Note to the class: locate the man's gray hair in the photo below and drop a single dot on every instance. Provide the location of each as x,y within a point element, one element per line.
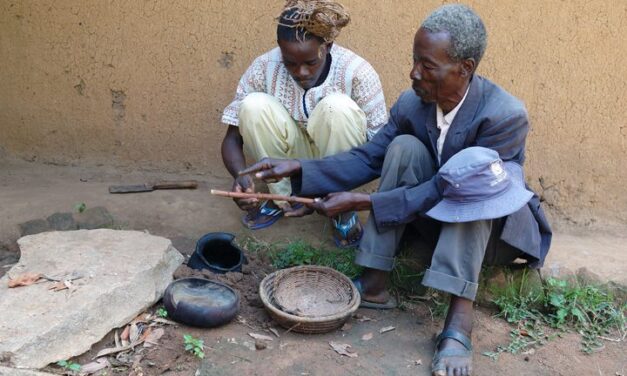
<point>465,28</point>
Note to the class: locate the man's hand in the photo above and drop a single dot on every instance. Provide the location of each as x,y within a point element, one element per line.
<point>245,184</point>
<point>273,170</point>
<point>342,202</point>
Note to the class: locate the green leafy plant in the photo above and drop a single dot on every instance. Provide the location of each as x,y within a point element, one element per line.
<point>80,207</point>
<point>70,366</point>
<point>562,305</point>
<point>300,252</point>
<point>162,312</point>
<point>195,346</point>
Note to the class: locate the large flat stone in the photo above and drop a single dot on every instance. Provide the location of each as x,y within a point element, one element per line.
<point>124,273</point>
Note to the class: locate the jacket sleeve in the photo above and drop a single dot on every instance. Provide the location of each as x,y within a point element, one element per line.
<point>348,170</point>
<point>506,136</point>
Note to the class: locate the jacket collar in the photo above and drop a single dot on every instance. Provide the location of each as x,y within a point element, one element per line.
<point>463,119</point>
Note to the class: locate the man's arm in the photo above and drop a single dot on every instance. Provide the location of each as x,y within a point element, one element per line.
<point>234,161</point>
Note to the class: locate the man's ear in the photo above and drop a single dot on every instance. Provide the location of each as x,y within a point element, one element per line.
<point>468,67</point>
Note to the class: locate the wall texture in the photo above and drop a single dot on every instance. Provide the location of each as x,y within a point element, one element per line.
<point>144,82</point>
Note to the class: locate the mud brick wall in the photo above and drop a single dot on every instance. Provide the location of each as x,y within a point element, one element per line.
<point>143,83</point>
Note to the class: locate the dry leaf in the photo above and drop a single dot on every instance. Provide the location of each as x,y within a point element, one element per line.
<point>366,337</point>
<point>113,350</point>
<point>362,318</point>
<point>275,332</point>
<point>418,362</point>
<point>125,333</point>
<point>133,335</point>
<point>386,329</point>
<point>342,349</point>
<point>24,279</point>
<point>260,337</point>
<point>58,286</point>
<point>93,367</point>
<point>153,337</point>
<point>164,321</point>
<point>346,327</point>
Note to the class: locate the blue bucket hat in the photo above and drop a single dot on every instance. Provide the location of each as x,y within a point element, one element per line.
<point>478,185</point>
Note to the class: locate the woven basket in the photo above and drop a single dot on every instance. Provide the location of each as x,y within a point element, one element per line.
<point>309,299</point>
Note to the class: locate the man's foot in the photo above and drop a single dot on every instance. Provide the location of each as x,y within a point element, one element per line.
<point>347,230</point>
<point>263,216</point>
<point>371,287</point>
<point>453,353</point>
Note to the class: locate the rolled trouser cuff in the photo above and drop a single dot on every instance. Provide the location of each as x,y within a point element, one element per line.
<point>453,285</point>
<point>373,261</point>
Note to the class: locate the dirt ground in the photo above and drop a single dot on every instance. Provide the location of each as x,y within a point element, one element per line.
<point>30,191</point>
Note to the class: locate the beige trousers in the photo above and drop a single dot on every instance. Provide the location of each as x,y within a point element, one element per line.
<point>335,125</point>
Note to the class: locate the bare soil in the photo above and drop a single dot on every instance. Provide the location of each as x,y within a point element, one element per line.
<point>30,191</point>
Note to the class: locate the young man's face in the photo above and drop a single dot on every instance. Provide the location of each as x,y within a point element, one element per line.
<point>304,60</point>
<point>435,76</point>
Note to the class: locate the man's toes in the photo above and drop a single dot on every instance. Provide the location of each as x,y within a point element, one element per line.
<point>440,372</point>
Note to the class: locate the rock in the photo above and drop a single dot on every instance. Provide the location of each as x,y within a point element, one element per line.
<point>124,272</point>
<point>260,345</point>
<point>62,222</point>
<point>35,226</point>
<point>4,371</point>
<point>557,270</point>
<point>93,218</point>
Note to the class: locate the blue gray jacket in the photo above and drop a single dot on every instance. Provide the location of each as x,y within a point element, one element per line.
<point>489,117</point>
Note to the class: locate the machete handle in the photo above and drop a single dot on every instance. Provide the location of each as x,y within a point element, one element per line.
<point>186,184</point>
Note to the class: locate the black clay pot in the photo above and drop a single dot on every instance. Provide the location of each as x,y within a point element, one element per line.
<point>215,251</point>
<point>200,302</point>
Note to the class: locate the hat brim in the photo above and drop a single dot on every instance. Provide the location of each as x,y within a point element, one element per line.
<point>500,206</point>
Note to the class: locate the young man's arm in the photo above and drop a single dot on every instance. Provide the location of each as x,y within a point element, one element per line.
<point>234,161</point>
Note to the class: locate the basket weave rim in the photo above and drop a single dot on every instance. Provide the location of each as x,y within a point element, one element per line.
<point>352,306</point>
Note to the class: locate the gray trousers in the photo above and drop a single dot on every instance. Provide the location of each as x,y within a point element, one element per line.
<point>460,247</point>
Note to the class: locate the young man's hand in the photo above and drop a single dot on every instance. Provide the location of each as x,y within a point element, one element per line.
<point>273,170</point>
<point>244,183</point>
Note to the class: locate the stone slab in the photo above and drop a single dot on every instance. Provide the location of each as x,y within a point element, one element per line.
<point>124,272</point>
<point>5,371</point>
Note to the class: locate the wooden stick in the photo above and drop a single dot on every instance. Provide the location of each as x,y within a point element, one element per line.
<point>263,196</point>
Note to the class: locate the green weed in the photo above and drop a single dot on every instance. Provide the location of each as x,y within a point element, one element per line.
<point>80,207</point>
<point>193,345</point>
<point>162,312</point>
<point>299,252</point>
<point>70,366</point>
<point>561,306</point>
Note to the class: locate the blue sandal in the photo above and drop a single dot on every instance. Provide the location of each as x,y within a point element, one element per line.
<point>438,366</point>
<point>344,229</point>
<point>262,217</point>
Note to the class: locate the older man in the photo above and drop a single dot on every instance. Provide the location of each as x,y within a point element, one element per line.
<point>449,110</point>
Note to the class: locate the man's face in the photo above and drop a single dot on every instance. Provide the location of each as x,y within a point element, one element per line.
<point>304,60</point>
<point>435,77</point>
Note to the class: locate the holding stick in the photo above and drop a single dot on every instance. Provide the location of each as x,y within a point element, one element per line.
<point>263,196</point>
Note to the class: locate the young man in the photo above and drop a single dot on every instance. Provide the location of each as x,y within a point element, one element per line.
<point>440,158</point>
<point>306,98</point>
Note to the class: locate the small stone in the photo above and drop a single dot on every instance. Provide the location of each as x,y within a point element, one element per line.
<point>93,218</point>
<point>33,227</point>
<point>260,345</point>
<point>62,222</point>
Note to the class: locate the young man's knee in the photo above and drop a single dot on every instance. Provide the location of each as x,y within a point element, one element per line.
<point>256,103</point>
